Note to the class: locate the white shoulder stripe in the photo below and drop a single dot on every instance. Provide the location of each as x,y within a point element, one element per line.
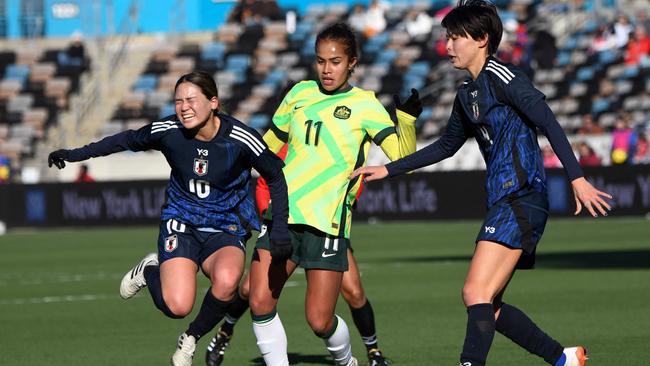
<point>164,122</point>
<point>162,128</point>
<point>252,137</point>
<point>503,78</point>
<point>502,68</point>
<point>254,149</point>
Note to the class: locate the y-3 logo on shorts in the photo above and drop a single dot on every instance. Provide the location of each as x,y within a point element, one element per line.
<point>490,229</point>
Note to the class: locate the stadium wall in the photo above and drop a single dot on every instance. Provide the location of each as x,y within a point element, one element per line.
<point>418,196</point>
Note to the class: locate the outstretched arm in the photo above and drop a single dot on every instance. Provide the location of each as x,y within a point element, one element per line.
<point>584,193</point>
<point>126,140</point>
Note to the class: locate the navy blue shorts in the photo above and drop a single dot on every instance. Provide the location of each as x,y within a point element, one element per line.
<point>517,221</point>
<point>177,240</point>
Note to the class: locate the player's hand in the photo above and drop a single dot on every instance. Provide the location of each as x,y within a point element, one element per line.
<point>592,199</point>
<point>371,173</point>
<point>281,249</point>
<point>412,106</point>
<point>58,158</point>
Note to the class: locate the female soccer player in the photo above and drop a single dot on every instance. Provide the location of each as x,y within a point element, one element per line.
<point>351,290</point>
<point>500,107</point>
<point>328,125</point>
<point>208,213</point>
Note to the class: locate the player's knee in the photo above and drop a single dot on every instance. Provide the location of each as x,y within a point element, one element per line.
<point>475,294</point>
<point>260,305</point>
<point>225,288</point>
<point>320,324</point>
<point>178,306</point>
<point>355,297</point>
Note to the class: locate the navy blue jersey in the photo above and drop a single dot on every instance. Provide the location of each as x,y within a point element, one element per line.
<point>501,110</point>
<point>210,181</point>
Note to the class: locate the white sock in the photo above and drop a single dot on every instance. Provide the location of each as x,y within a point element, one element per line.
<point>272,341</point>
<point>338,344</point>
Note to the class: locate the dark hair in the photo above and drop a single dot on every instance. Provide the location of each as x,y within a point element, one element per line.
<point>475,18</point>
<point>340,32</point>
<point>201,79</point>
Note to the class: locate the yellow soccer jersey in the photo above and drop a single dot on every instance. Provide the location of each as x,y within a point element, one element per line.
<point>329,136</point>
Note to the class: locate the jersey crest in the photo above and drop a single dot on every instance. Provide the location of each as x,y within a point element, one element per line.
<point>200,167</point>
<point>342,112</point>
<point>171,243</point>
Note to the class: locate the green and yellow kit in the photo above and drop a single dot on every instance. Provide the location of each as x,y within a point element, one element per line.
<point>328,136</point>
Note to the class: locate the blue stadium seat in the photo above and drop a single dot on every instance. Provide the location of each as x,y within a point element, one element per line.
<point>146,83</point>
<point>259,121</point>
<point>585,73</point>
<point>600,105</point>
<point>275,77</point>
<point>167,109</point>
<point>17,72</point>
<point>386,56</point>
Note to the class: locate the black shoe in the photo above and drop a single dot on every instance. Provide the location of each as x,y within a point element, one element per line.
<point>375,358</point>
<point>217,348</point>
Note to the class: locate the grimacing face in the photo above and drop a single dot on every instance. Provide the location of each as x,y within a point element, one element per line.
<point>193,108</point>
<point>333,64</point>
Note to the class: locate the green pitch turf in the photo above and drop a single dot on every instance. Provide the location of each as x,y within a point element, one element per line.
<point>59,302</point>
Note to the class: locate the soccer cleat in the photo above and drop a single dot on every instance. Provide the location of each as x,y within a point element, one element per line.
<point>375,358</point>
<point>575,356</point>
<point>134,279</point>
<point>217,348</point>
<point>184,351</point>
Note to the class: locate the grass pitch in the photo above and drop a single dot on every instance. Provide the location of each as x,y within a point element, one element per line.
<point>59,301</point>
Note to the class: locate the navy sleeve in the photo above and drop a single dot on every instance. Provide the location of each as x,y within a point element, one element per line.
<point>270,166</point>
<point>134,140</point>
<point>447,145</point>
<point>542,116</point>
<point>520,93</point>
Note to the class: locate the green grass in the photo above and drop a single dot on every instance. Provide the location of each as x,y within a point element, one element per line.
<point>59,302</point>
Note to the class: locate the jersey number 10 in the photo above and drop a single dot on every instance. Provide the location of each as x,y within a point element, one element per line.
<point>200,187</point>
<point>317,126</point>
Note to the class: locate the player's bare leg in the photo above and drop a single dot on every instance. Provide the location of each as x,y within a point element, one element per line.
<point>224,268</point>
<point>323,288</point>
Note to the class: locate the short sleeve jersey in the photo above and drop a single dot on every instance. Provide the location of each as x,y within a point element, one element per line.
<point>209,184</point>
<point>328,136</point>
<point>490,108</point>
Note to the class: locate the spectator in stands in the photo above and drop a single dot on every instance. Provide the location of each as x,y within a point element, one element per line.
<point>622,30</point>
<point>587,155</point>
<point>624,140</point>
<point>549,158</point>
<point>75,54</point>
<point>589,126</point>
<point>5,169</point>
<point>83,176</point>
<point>375,18</point>
<point>544,48</point>
<point>255,12</point>
<point>642,19</point>
<point>418,23</point>
<point>638,47</point>
<point>604,40</point>
<point>357,20</point>
<point>642,155</point>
